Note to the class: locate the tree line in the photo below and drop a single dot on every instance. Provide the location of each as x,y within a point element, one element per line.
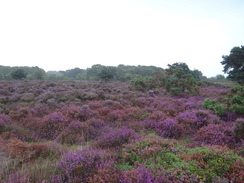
<point>233,66</point>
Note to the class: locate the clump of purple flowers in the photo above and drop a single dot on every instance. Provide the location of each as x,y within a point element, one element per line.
<point>116,137</point>
<point>52,125</point>
<point>195,119</point>
<point>81,165</point>
<point>169,128</point>
<point>215,134</point>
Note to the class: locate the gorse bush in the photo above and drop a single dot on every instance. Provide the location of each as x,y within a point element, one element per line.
<point>237,104</point>
<point>139,83</point>
<point>177,80</point>
<point>214,105</point>
<point>210,163</point>
<point>237,90</point>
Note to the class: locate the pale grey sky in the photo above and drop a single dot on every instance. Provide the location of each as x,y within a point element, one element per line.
<point>64,34</point>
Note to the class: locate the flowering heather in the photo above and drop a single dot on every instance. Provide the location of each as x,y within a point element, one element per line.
<point>169,128</point>
<point>80,132</point>
<point>81,113</point>
<point>215,134</point>
<point>52,125</point>
<point>116,138</point>
<point>73,131</point>
<point>195,119</point>
<point>81,165</point>
<point>214,92</point>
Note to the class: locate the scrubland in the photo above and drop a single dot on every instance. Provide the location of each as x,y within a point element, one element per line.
<point>70,131</point>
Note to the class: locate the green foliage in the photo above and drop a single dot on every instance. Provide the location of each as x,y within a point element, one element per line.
<point>139,83</point>
<point>236,101</point>
<point>39,75</point>
<point>207,162</point>
<point>234,64</point>
<point>18,74</point>
<point>238,90</point>
<point>220,77</point>
<point>175,91</point>
<point>160,154</point>
<point>197,74</point>
<point>107,73</point>
<point>179,79</point>
<point>214,105</point>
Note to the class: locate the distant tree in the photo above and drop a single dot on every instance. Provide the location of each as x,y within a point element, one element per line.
<point>73,73</point>
<point>107,73</point>
<point>93,72</point>
<point>220,77</point>
<point>39,74</point>
<point>197,74</point>
<point>234,64</point>
<point>181,67</point>
<point>178,79</point>
<point>18,74</point>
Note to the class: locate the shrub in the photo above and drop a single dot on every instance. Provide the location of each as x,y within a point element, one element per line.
<point>52,125</point>
<point>81,165</point>
<point>215,106</point>
<point>145,150</point>
<point>139,83</point>
<point>78,132</point>
<point>195,119</point>
<point>237,108</point>
<point>237,104</point>
<point>238,90</point>
<point>210,163</point>
<point>139,175</point>
<point>23,151</point>
<point>169,128</point>
<point>215,134</point>
<point>74,112</point>
<point>238,129</point>
<point>116,138</point>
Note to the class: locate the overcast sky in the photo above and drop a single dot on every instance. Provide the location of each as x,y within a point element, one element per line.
<point>64,34</point>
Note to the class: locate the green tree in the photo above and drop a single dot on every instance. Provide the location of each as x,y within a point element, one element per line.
<point>39,74</point>
<point>107,73</point>
<point>197,74</point>
<point>179,79</point>
<point>18,74</point>
<point>234,64</point>
<point>220,77</point>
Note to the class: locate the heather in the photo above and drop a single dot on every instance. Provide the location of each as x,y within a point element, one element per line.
<point>73,131</point>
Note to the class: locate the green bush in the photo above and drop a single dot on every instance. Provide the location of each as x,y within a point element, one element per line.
<point>238,90</point>
<point>237,104</point>
<point>214,105</point>
<point>138,83</point>
<point>175,91</point>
